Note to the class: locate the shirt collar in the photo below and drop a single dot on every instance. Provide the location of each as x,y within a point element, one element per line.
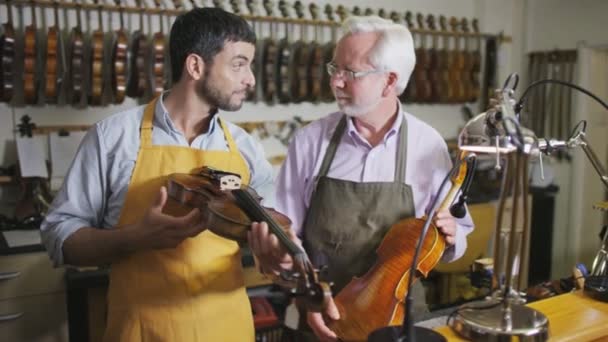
<point>163,120</point>
<point>353,133</point>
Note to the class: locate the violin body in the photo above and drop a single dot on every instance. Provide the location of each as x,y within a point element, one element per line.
<point>228,209</point>
<point>219,208</point>
<point>376,299</point>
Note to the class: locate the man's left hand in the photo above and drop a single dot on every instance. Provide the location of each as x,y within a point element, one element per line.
<point>447,225</point>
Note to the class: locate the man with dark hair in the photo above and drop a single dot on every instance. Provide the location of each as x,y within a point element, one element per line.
<point>170,279</point>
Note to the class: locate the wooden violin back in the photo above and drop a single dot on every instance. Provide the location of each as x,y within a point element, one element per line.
<point>376,299</point>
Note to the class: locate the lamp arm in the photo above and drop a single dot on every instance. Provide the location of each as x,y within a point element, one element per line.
<point>578,140</point>
<point>597,165</point>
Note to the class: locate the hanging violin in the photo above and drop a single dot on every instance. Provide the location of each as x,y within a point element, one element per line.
<point>229,207</point>
<point>376,299</point>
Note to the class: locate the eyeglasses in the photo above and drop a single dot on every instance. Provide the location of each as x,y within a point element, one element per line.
<point>346,74</point>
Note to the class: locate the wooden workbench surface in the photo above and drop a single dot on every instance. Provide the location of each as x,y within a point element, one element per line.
<point>572,317</point>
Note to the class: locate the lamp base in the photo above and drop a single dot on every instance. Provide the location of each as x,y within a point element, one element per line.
<point>492,320</point>
<point>393,333</point>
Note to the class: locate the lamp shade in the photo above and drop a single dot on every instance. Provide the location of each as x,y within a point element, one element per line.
<point>486,133</point>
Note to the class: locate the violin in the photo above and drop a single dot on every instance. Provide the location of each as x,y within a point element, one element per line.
<point>7,49</point>
<point>284,59</point>
<point>138,82</point>
<point>158,51</point>
<point>55,60</point>
<point>120,61</point>
<point>228,208</point>
<point>376,299</point>
<point>327,94</point>
<point>97,61</point>
<point>315,68</point>
<point>77,60</point>
<point>30,77</point>
<point>270,50</point>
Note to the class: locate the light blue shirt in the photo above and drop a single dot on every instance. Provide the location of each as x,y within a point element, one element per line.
<point>95,186</point>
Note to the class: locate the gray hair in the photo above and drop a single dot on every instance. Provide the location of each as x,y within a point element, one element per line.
<point>393,52</point>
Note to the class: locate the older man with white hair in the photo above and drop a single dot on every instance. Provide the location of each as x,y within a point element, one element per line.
<point>351,175</point>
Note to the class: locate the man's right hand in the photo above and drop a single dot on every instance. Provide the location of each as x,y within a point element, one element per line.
<point>318,324</point>
<point>157,230</point>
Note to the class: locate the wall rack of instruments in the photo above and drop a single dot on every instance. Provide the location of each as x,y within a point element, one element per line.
<point>98,52</point>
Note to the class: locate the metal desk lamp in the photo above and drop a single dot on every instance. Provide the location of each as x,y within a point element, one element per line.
<point>503,316</point>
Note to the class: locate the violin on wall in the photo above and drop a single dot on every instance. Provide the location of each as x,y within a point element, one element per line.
<point>30,75</point>
<point>7,49</point>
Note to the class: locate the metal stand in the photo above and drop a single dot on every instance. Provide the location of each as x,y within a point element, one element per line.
<point>504,316</point>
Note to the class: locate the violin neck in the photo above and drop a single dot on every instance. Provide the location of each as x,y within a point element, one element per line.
<point>450,197</point>
<point>257,213</point>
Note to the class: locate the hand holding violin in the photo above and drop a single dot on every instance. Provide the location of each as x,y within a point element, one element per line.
<point>270,255</point>
<point>157,230</point>
<point>273,258</point>
<point>446,223</point>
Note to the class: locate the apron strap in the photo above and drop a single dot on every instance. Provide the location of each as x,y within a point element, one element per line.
<point>401,162</point>
<point>333,146</point>
<point>146,124</point>
<point>229,139</point>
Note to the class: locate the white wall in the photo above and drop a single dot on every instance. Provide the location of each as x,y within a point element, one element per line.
<point>563,24</point>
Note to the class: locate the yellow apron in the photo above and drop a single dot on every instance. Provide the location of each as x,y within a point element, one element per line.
<point>194,292</point>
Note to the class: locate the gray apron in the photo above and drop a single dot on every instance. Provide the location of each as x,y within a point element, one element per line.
<point>346,221</point>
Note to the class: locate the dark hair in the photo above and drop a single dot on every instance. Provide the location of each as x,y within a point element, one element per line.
<point>204,31</point>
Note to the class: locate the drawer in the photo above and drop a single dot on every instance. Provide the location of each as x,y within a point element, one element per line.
<point>42,319</point>
<point>35,276</point>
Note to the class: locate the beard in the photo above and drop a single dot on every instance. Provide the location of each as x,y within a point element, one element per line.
<point>358,109</point>
<point>216,98</point>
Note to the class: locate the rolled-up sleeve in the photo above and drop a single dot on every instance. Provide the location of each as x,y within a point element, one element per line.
<point>80,201</point>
